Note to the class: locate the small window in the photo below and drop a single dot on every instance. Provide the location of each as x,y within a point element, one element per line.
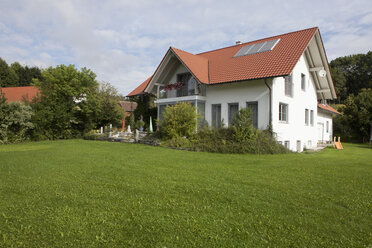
<point>253,106</point>
<point>306,117</point>
<point>288,86</point>
<point>303,82</point>
<point>286,144</point>
<point>327,126</point>
<point>233,109</point>
<point>216,115</point>
<point>312,117</point>
<point>283,112</point>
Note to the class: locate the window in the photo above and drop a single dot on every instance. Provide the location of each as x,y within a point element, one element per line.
<point>286,144</point>
<point>283,112</point>
<point>303,81</point>
<point>288,85</point>
<point>312,117</point>
<point>161,109</point>
<point>216,115</point>
<point>188,88</point>
<point>306,117</point>
<point>233,108</point>
<point>327,126</point>
<point>253,106</point>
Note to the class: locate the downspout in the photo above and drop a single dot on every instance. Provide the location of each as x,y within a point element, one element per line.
<point>270,115</point>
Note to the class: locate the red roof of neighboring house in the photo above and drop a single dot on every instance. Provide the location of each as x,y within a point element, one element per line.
<point>220,66</point>
<point>19,93</point>
<point>326,107</point>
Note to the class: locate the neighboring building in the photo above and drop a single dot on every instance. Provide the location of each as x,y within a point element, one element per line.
<point>20,94</point>
<point>128,106</point>
<point>280,78</point>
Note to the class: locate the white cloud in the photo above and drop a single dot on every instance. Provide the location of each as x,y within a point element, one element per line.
<point>123,41</point>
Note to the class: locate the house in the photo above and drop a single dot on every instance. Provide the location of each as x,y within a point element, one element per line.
<point>284,79</point>
<point>20,94</point>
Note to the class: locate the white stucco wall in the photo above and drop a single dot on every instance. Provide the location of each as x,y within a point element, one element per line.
<point>323,135</point>
<point>295,128</point>
<point>239,92</point>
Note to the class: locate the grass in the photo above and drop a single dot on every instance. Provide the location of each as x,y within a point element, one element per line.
<point>77,193</point>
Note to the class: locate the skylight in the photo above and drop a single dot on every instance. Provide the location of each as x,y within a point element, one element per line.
<point>257,48</point>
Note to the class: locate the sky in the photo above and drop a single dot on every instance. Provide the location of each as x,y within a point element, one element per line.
<point>123,41</point>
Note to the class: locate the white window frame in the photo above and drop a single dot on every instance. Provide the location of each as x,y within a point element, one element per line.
<point>288,85</point>
<point>281,105</point>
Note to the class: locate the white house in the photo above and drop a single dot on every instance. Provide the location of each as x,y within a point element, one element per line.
<point>284,79</point>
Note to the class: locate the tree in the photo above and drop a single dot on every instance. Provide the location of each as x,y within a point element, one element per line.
<point>351,74</point>
<point>145,108</point>
<point>8,77</point>
<point>68,103</point>
<point>354,123</point>
<point>109,110</point>
<point>242,125</point>
<point>26,74</point>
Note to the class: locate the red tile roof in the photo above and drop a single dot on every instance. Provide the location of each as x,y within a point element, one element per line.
<point>141,88</point>
<point>20,93</point>
<point>328,108</point>
<point>220,66</point>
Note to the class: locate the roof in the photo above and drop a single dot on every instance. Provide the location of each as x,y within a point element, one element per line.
<point>128,106</point>
<point>14,94</point>
<point>140,89</point>
<point>328,108</point>
<point>220,66</point>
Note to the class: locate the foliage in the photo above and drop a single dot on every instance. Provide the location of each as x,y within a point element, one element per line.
<point>351,74</point>
<point>26,74</point>
<point>109,110</point>
<point>68,103</point>
<point>179,120</point>
<point>129,195</point>
<point>14,121</point>
<point>242,125</point>
<point>145,108</point>
<point>8,77</point>
<point>355,122</point>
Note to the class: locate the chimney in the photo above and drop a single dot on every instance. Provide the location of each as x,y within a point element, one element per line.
<point>238,42</point>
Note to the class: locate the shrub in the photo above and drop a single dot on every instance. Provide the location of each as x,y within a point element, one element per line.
<point>242,125</point>
<point>15,121</point>
<point>178,120</point>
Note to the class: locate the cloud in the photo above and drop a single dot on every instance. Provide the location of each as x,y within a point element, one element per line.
<point>123,41</point>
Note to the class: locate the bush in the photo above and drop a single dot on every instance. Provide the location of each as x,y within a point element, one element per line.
<point>178,120</point>
<point>15,121</point>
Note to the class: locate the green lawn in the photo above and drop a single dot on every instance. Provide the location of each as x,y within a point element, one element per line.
<point>78,193</point>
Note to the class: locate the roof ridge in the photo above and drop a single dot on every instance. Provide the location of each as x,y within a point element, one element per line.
<point>256,40</point>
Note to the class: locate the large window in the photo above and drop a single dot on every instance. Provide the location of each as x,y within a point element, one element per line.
<point>253,106</point>
<point>188,88</point>
<point>216,115</point>
<point>283,112</point>
<point>288,85</point>
<point>303,82</point>
<point>233,108</point>
<point>306,117</point>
